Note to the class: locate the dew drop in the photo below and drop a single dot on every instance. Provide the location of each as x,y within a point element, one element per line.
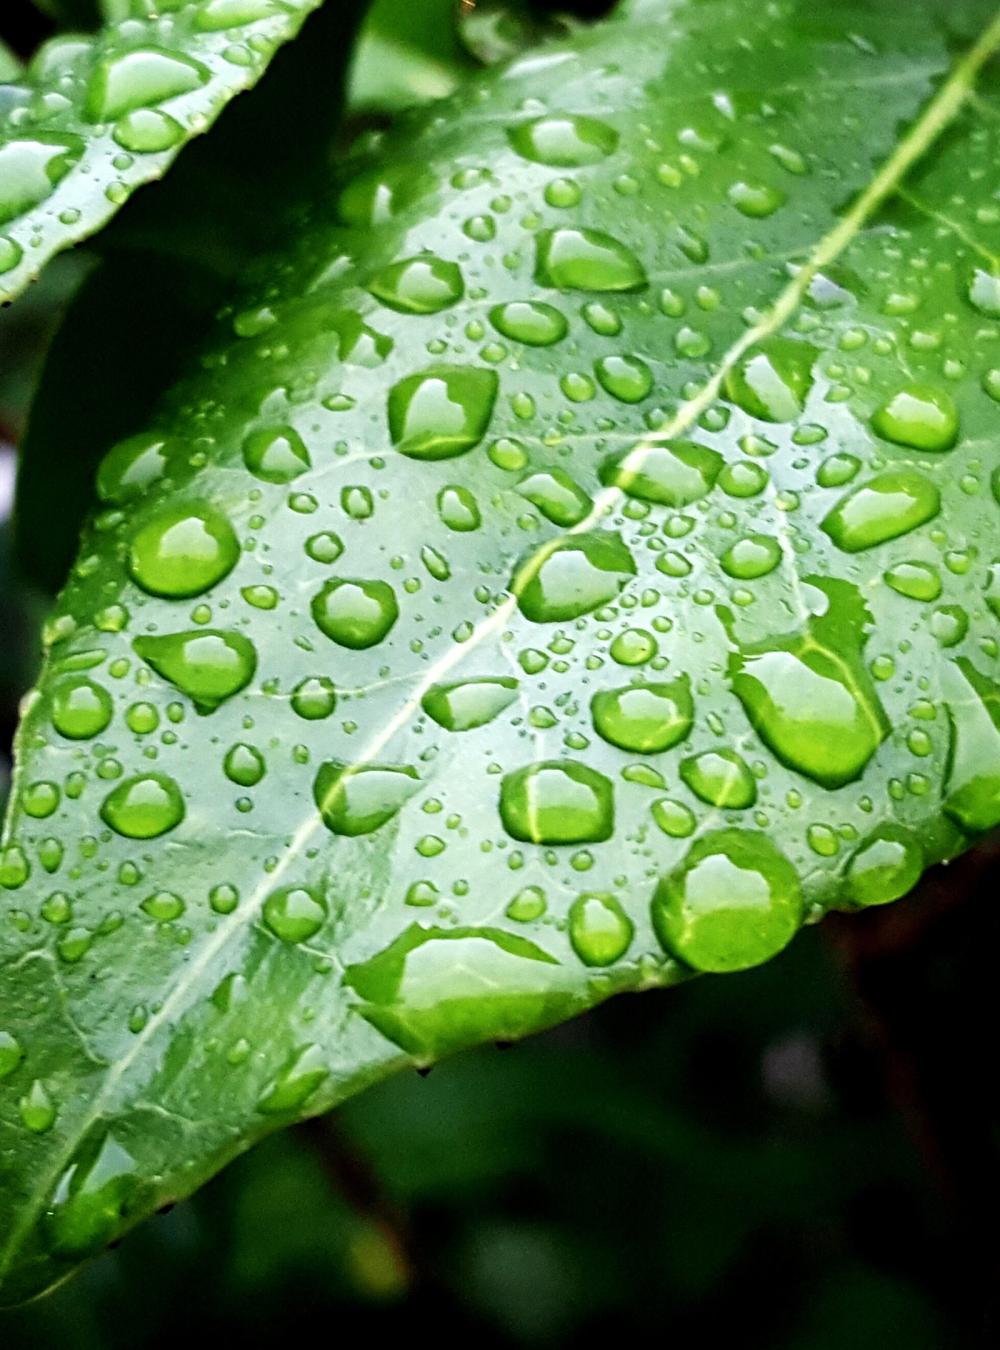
<point>359,800</point>
<point>468,704</point>
<point>919,418</point>
<point>883,508</point>
<point>600,931</point>
<point>559,498</point>
<point>143,807</point>
<point>182,550</point>
<point>722,778</point>
<point>441,412</point>
<point>80,708</point>
<point>277,455</point>
<point>421,285</point>
<point>647,718</point>
<point>207,665</point>
<point>886,866</point>
<point>586,260</point>
<point>530,322</point>
<point>573,577</point>
<point>771,381</point>
<point>670,473</point>
<point>138,79</point>
<point>354,613</point>
<point>294,913</point>
<point>557,802</point>
<point>564,142</point>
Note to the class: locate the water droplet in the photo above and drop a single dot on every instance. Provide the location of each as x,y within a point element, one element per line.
<point>146,131</point>
<point>294,913</point>
<point>557,802</point>
<point>572,577</point>
<point>325,547</point>
<point>163,906</point>
<point>207,665</point>
<point>599,929</point>
<point>624,377</point>
<point>244,765</point>
<point>564,141</point>
<point>144,807</point>
<point>734,902</point>
<point>80,708</point>
<point>132,465</point>
<point>721,778</point>
<point>754,556</point>
<point>586,260</point>
<point>674,818</point>
<point>30,170</point>
<point>314,698</point>
<point>671,473</point>
<point>277,455</point>
<point>11,1054</point>
<point>138,79</point>
<point>354,613</point>
<point>356,800</point>
<point>530,322</point>
<point>92,1199</point>
<point>557,496</point>
<point>468,704</point>
<point>458,508</point>
<point>809,696</point>
<point>771,382</point>
<point>915,580</point>
<point>441,412</point>
<point>528,905</point>
<point>38,1111</point>
<point>755,199</point>
<point>984,292</point>
<point>421,285</point>
<point>887,865</point>
<point>182,550</point>
<point>972,779</point>
<point>919,418</point>
<point>296,1083</point>
<point>11,254</point>
<point>885,507</point>
<point>647,718</point>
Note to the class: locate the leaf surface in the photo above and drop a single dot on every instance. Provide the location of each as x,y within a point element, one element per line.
<point>94,117</point>
<point>570,568</point>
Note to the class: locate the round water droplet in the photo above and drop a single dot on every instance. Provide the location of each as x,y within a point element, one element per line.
<point>183,550</point>
<point>294,913</point>
<point>132,465</point>
<point>80,708</point>
<point>674,818</point>
<point>207,665</point>
<point>647,718</point>
<point>163,906</point>
<point>557,802</point>
<point>671,473</point>
<point>469,703</point>
<point>557,496</point>
<point>734,902</point>
<point>599,929</point>
<point>530,322</point>
<point>918,417</point>
<point>586,260</point>
<point>314,698</point>
<point>721,778</point>
<point>355,613</point>
<point>441,412</point>
<point>573,577</point>
<point>421,285</point>
<point>144,807</point>
<point>624,377</point>
<point>528,905</point>
<point>886,866</point>
<point>564,141</point>
<point>755,199</point>
<point>325,547</point>
<point>885,507</point>
<point>752,557</point>
<point>276,454</point>
<point>244,765</point>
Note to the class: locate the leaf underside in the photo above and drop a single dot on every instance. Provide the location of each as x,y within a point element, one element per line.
<point>97,115</point>
<point>571,567</point>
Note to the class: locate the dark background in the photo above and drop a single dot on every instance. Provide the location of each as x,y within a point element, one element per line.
<point>803,1157</point>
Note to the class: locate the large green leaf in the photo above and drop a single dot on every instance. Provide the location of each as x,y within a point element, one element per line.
<point>569,569</point>
<point>96,117</point>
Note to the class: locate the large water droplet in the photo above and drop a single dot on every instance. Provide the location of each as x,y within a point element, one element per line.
<point>586,260</point>
<point>138,79</point>
<point>972,779</point>
<point>647,718</point>
<point>30,169</point>
<point>468,704</point>
<point>885,507</point>
<point>355,613</point>
<point>530,322</point>
<point>669,473</point>
<point>80,708</point>
<point>722,778</point>
<point>887,865</point>
<point>294,913</point>
<point>92,1199</point>
<point>752,557</point>
<point>918,417</point>
<point>624,377</point>
<point>564,141</point>
<point>734,902</point>
<point>358,799</point>
<point>133,465</point>
<point>557,802</point>
<point>984,292</point>
<point>183,550</point>
<point>771,381</point>
<point>572,577</point>
<point>207,665</point>
<point>146,131</point>
<point>276,454</point>
<point>144,807</point>
<point>599,929</point>
<point>441,412</point>
<point>421,285</point>
<point>558,497</point>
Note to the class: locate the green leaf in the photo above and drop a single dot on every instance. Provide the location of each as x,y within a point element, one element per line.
<point>96,117</point>
<point>568,569</point>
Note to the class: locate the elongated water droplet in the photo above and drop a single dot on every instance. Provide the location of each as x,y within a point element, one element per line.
<point>301,1077</point>
<point>671,473</point>
<point>355,800</point>
<point>468,704</point>
<point>207,665</point>
<point>421,285</point>
<point>138,79</point>
<point>587,260</point>
<point>530,322</point>
<point>573,577</point>
<point>972,777</point>
<point>30,170</point>
<point>885,507</point>
<point>559,498</point>
<point>564,141</point>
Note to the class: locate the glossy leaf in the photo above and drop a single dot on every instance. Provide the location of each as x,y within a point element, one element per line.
<point>569,569</point>
<point>96,117</point>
